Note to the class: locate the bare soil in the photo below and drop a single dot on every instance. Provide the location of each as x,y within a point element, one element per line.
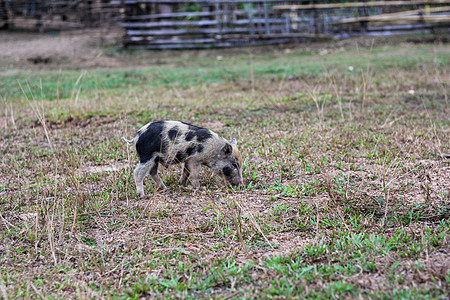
<point>67,49</point>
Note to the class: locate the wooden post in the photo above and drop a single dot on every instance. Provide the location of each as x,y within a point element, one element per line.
<point>4,14</point>
<point>362,12</point>
<point>102,17</point>
<point>250,21</point>
<point>313,19</point>
<point>266,17</point>
<point>124,16</point>
<point>287,22</point>
<point>225,16</point>
<point>89,13</point>
<point>219,17</point>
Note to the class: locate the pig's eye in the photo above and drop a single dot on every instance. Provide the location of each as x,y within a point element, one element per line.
<point>234,165</point>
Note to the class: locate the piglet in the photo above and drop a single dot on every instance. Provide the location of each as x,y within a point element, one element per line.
<point>172,142</point>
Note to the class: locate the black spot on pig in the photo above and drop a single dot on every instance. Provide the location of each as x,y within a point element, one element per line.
<point>180,156</point>
<point>190,135</point>
<point>151,142</point>
<point>203,135</point>
<point>190,151</point>
<point>199,148</point>
<point>173,133</point>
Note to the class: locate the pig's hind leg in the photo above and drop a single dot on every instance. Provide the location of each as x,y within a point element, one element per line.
<point>156,178</point>
<point>142,170</point>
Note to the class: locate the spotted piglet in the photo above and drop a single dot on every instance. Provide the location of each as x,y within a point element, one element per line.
<point>172,142</point>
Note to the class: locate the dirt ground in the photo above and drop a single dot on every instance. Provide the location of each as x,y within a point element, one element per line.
<point>56,49</point>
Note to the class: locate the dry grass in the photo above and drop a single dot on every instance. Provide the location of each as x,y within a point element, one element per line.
<point>347,190</point>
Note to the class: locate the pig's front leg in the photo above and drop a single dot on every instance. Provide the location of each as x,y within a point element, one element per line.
<point>190,170</point>
<point>184,175</point>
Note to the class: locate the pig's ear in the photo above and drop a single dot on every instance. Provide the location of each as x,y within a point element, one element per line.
<point>233,142</point>
<point>226,150</point>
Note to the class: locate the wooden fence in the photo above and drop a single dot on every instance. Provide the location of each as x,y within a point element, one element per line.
<point>178,24</point>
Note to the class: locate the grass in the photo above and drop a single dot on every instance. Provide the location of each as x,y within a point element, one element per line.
<point>346,191</point>
<point>74,83</point>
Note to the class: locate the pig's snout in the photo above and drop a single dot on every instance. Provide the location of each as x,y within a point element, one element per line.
<point>239,181</point>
